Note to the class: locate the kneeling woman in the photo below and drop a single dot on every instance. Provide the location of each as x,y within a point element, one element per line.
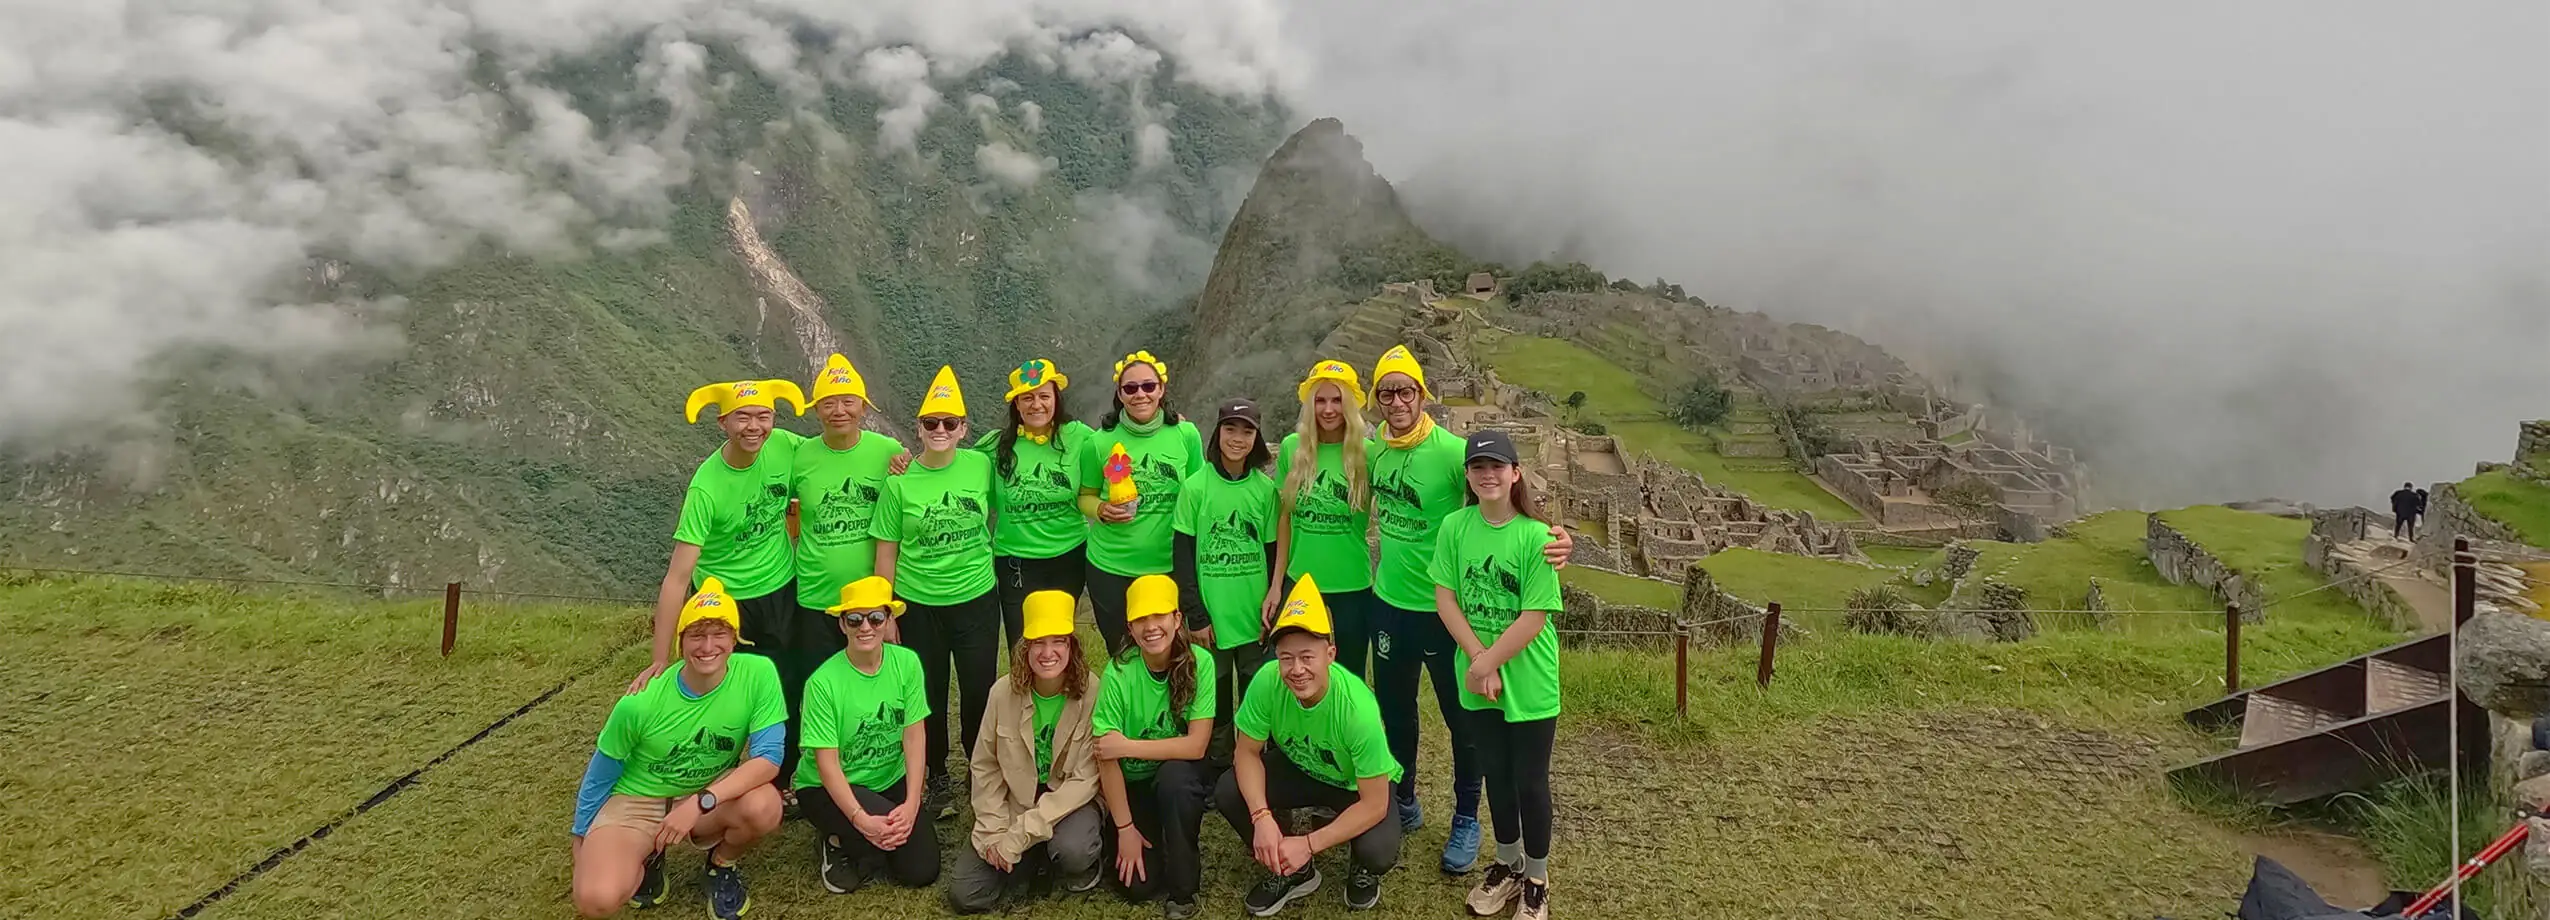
<point>1035,771</point>
<point>859,779</point>
<point>690,757</point>
<point>1155,716</point>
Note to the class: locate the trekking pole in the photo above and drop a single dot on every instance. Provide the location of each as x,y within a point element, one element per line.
<point>2514,837</point>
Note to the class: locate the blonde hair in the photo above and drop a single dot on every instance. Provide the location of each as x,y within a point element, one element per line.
<point>1305,459</point>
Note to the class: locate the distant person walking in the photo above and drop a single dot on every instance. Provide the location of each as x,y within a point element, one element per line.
<point>860,781</point>
<point>1130,475</point>
<point>1038,534</point>
<point>836,480</point>
<point>690,758</point>
<point>934,542</point>
<point>1324,477</point>
<point>734,520</point>
<point>1035,785</point>
<point>2406,505</point>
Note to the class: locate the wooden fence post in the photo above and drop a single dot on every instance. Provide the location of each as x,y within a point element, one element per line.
<point>451,616</point>
<point>2465,581</point>
<point>1770,644</point>
<point>1682,673</point>
<point>2231,648</point>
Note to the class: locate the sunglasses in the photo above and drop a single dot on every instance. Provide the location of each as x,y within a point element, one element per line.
<point>938,423</point>
<point>1144,386</point>
<point>852,619</point>
<point>1395,394</point>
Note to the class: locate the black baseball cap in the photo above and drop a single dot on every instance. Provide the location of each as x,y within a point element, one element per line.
<point>1492,445</point>
<point>1242,409</point>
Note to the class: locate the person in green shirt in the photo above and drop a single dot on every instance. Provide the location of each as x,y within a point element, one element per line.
<point>1132,538</point>
<point>1417,481</point>
<point>859,783</point>
<point>1495,593</point>
<point>1226,558</point>
<point>1310,737</point>
<point>1326,509</point>
<point>1154,719</point>
<point>734,520</point>
<point>934,542</point>
<point>1038,533</point>
<point>689,757</point>
<point>836,480</point>
<point>1035,773</point>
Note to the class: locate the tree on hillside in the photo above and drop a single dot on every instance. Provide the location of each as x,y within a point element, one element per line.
<point>1702,404</point>
<point>1576,401</point>
<point>1547,277</point>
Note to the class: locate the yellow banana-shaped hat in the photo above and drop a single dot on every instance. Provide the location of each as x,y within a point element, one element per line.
<point>946,398</point>
<point>1342,373</point>
<point>1398,361</point>
<point>1033,373</point>
<point>740,394</point>
<point>1304,610</point>
<point>838,378</point>
<point>1143,357</point>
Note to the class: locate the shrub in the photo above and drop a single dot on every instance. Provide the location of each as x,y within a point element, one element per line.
<point>1882,609</point>
<point>1702,404</point>
<point>1594,428</point>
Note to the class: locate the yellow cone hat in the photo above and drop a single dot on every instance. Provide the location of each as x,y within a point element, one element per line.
<point>1304,609</point>
<point>1046,613</point>
<point>1342,373</point>
<point>1398,361</point>
<point>946,398</point>
<point>711,603</point>
<point>1150,596</point>
<point>838,378</point>
<point>1033,373</point>
<point>740,394</point>
<point>867,593</point>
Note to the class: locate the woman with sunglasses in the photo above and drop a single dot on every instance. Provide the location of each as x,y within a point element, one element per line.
<point>1326,490</point>
<point>1037,530</point>
<point>934,542</point>
<point>1135,538</point>
<point>859,779</point>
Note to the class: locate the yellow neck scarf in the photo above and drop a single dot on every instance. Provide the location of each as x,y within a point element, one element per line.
<point>1414,437</point>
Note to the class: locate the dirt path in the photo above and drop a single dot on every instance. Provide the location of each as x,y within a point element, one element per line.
<point>2338,867</point>
<point>2434,602</point>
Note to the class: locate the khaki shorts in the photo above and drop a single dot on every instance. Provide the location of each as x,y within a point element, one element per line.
<point>641,814</point>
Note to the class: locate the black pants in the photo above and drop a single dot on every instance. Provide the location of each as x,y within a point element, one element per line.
<point>1352,616</point>
<point>1020,576</point>
<point>2403,526</point>
<point>915,864</point>
<point>967,634</point>
<point>1288,787</point>
<point>1168,809</point>
<point>1106,604</point>
<point>1232,669</point>
<point>1516,756</point>
<point>1404,642</point>
<point>796,642</point>
<point>974,886</point>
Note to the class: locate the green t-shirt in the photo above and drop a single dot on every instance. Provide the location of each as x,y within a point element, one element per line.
<point>1037,508</point>
<point>1328,530</point>
<point>1412,491</point>
<point>1336,742</point>
<point>1232,523</point>
<point>1135,703</point>
<point>1048,713</point>
<point>837,492</point>
<point>1161,464</point>
<point>739,519</point>
<point>862,716</point>
<point>1496,572</point>
<point>941,522</point>
<point>669,744</point>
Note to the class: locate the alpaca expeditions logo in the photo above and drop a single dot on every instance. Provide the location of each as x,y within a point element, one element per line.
<point>700,759</point>
<point>875,744</point>
<point>1039,490</point>
<point>954,522</point>
<point>765,513</point>
<point>1157,480</point>
<point>839,517</point>
<point>1323,762</point>
<point>1231,548</point>
<point>1401,510</point>
<point>1491,593</point>
<point>1325,507</point>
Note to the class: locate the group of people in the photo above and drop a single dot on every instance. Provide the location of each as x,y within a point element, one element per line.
<point>2407,506</point>
<point>1260,659</point>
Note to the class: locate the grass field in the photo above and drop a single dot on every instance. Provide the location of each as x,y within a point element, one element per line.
<point>1897,556</point>
<point>2269,549</point>
<point>1794,581</point>
<point>1624,589</point>
<point>2106,546</point>
<point>1617,398</point>
<point>2523,506</point>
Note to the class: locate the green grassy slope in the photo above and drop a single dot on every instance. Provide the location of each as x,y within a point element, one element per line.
<point>2519,504</point>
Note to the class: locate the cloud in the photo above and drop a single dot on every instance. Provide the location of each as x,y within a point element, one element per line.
<point>1011,166</point>
<point>1151,146</point>
<point>2279,248</point>
<point>1031,116</point>
<point>901,75</point>
<point>1143,247</point>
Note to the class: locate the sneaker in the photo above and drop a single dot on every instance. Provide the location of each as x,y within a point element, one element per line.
<point>1177,910</point>
<point>1496,890</point>
<point>651,885</point>
<point>935,800</point>
<point>833,864</point>
<point>1363,889</point>
<point>1276,891</point>
<point>727,899</point>
<point>1535,902</point>
<point>1412,815</point>
<point>1461,849</point>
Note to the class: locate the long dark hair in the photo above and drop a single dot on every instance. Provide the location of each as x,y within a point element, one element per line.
<point>1181,669</point>
<point>1005,450</point>
<point>1521,495</point>
<point>1075,670</point>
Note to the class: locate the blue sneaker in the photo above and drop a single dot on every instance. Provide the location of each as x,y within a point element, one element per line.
<point>727,899</point>
<point>1412,815</point>
<point>1461,851</point>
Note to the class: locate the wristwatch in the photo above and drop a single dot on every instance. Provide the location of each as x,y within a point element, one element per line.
<point>707,801</point>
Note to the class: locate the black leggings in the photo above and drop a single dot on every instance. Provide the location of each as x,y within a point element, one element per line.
<point>1404,642</point>
<point>1515,756</point>
<point>1106,604</point>
<point>968,634</point>
<point>1020,576</point>
<point>1350,613</point>
<point>915,864</point>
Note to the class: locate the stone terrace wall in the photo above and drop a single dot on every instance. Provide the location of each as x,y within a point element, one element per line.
<point>2532,451</point>
<point>2180,561</point>
<point>2447,516</point>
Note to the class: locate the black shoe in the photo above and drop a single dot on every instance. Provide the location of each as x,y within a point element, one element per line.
<point>935,800</point>
<point>1363,889</point>
<point>727,899</point>
<point>650,890</point>
<point>833,864</point>
<point>1177,910</point>
<point>1276,891</point>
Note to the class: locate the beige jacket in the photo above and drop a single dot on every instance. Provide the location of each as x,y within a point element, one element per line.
<point>1007,812</point>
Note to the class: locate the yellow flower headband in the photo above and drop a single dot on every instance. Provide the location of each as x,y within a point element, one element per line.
<point>1143,357</point>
